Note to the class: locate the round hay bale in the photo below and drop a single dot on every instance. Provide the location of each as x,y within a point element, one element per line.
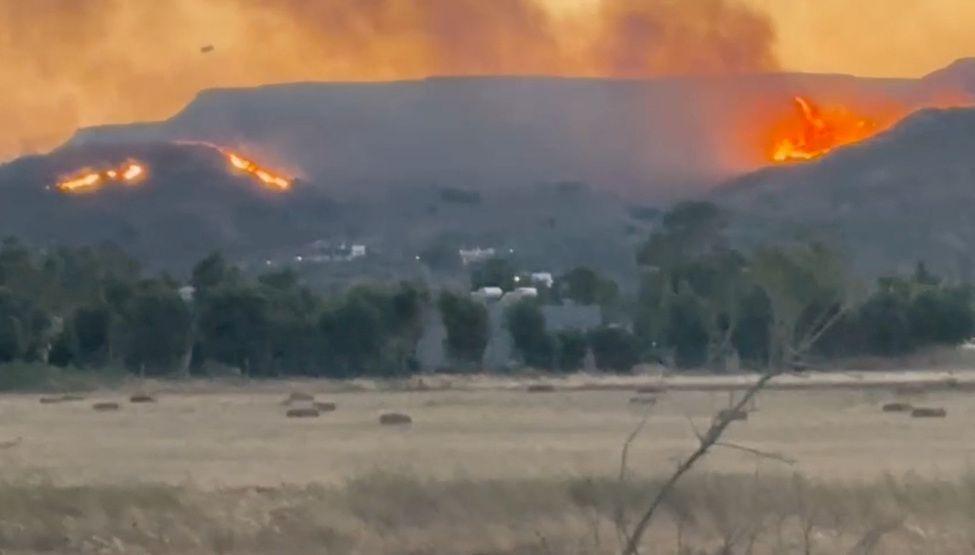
<point>541,388</point>
<point>322,406</point>
<point>652,389</point>
<point>732,415</point>
<point>395,419</point>
<point>298,397</point>
<point>929,412</point>
<point>142,398</point>
<point>302,413</point>
<point>650,401</point>
<point>60,399</point>
<point>106,407</point>
<point>897,407</point>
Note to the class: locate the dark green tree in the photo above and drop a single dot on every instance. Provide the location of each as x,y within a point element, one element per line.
<point>614,348</point>
<point>526,324</point>
<point>467,325</point>
<point>158,325</point>
<point>572,347</point>
<point>234,328</point>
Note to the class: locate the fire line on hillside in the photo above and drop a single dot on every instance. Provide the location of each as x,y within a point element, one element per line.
<point>816,131</point>
<point>130,173</point>
<point>133,172</point>
<point>269,178</point>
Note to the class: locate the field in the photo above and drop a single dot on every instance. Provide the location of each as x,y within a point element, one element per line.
<point>487,467</point>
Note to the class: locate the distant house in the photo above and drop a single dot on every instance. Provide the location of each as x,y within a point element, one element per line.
<point>475,255</point>
<point>520,293</point>
<point>543,279</point>
<point>486,294</point>
<point>187,293</point>
<point>323,251</point>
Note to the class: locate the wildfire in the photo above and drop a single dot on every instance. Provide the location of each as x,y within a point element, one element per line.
<point>817,131</point>
<point>129,173</point>
<point>264,175</point>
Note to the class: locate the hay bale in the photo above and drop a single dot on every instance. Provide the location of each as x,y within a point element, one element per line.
<point>732,415</point>
<point>298,397</point>
<point>395,419</point>
<point>322,406</point>
<point>302,413</point>
<point>142,398</point>
<point>106,407</point>
<point>60,399</point>
<point>929,412</point>
<point>897,407</point>
<point>653,389</point>
<point>541,388</point>
<point>650,401</point>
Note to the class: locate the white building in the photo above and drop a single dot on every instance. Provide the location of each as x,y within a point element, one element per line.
<point>543,279</point>
<point>477,254</point>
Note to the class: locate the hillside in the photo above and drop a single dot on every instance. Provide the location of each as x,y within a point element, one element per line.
<point>904,196</point>
<point>653,139</point>
<point>188,205</point>
<point>192,202</point>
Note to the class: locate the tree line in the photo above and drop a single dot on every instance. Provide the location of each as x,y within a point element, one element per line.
<point>700,304</point>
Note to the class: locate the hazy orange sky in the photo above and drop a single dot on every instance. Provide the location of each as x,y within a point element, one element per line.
<point>70,63</point>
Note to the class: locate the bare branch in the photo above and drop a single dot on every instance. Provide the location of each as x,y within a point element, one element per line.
<point>621,521</point>
<point>712,436</point>
<point>757,452</point>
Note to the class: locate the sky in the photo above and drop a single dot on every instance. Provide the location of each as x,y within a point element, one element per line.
<point>71,63</point>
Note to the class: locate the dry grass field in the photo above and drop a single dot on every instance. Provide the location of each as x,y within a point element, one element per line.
<point>485,467</point>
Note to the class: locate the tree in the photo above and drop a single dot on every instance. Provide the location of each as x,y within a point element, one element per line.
<point>942,316</point>
<point>11,338</point>
<point>468,327</point>
<point>751,333</point>
<point>158,324</point>
<point>584,286</point>
<point>211,272</point>
<point>234,327</point>
<point>807,294</point>
<point>526,323</point>
<point>885,324</point>
<point>687,328</point>
<point>441,256</point>
<point>90,331</point>
<point>354,331</point>
<point>614,348</point>
<point>689,230</point>
<point>572,347</point>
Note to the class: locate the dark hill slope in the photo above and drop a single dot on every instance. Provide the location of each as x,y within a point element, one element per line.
<point>904,196</point>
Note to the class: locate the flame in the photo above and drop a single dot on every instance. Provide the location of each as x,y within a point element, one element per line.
<point>265,176</point>
<point>817,131</point>
<point>129,173</point>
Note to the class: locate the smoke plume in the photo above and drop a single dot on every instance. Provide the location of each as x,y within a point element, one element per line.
<point>67,63</point>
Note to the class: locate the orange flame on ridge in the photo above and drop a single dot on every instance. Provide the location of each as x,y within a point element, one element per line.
<point>129,173</point>
<point>818,131</point>
<point>264,175</point>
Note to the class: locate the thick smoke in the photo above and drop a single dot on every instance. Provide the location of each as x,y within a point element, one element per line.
<point>68,63</point>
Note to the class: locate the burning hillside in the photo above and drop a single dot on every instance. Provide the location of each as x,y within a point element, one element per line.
<point>88,180</point>
<point>814,131</point>
<point>133,172</point>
